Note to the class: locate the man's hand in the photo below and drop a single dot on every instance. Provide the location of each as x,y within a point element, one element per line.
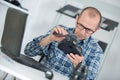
<point>58,30</point>
<point>45,41</point>
<point>75,59</point>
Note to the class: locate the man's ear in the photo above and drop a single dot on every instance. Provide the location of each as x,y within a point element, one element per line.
<point>76,19</point>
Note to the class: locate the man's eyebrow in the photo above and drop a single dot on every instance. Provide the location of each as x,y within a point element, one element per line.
<point>82,25</point>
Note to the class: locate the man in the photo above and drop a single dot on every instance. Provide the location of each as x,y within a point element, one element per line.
<point>87,23</point>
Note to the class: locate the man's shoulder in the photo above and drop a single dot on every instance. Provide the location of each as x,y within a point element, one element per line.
<point>92,40</point>
<point>94,43</point>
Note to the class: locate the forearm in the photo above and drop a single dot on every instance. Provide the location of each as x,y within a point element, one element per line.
<point>45,41</point>
<point>32,49</point>
<point>36,46</point>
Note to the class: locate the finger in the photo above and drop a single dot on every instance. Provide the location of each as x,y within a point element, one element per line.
<point>75,62</point>
<point>56,30</point>
<point>72,55</point>
<point>64,32</point>
<point>59,30</point>
<point>76,57</point>
<point>71,58</point>
<point>79,58</point>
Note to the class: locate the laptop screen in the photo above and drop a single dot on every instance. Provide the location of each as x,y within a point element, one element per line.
<point>13,32</point>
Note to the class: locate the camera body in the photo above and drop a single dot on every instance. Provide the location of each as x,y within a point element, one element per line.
<point>69,45</point>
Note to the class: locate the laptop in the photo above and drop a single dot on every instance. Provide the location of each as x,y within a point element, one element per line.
<point>12,39</point>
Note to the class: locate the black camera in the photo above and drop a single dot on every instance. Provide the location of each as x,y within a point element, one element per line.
<point>69,45</point>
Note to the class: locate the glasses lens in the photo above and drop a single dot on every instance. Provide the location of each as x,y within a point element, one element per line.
<point>80,26</point>
<point>89,31</point>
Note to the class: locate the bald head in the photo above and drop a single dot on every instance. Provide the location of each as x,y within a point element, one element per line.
<point>91,13</point>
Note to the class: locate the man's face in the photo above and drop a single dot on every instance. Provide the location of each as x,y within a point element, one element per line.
<point>86,25</point>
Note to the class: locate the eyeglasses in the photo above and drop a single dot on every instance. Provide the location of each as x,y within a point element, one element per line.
<point>87,30</point>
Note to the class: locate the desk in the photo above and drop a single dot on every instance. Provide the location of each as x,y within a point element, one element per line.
<point>24,72</point>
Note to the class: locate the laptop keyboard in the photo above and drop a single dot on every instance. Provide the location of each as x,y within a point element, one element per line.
<point>34,64</point>
<point>31,62</point>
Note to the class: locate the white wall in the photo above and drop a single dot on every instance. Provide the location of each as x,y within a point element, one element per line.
<point>113,2</point>
<point>3,11</point>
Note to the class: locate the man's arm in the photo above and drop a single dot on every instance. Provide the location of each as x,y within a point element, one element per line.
<point>33,48</point>
<point>41,44</point>
<point>45,41</point>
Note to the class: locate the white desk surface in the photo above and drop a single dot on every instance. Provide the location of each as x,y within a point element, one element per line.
<point>24,72</point>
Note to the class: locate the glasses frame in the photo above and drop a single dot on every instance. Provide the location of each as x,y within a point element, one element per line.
<point>87,30</point>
